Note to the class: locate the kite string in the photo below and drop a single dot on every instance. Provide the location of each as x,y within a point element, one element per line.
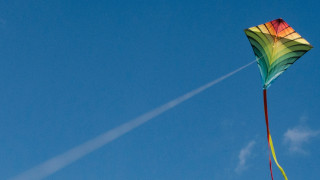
<point>58,162</point>
<point>267,124</point>
<point>270,143</point>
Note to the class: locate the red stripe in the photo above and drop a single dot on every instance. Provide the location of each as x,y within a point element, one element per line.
<point>279,25</point>
<point>267,123</point>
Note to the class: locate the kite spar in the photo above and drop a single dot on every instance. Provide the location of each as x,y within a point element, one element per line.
<point>276,46</point>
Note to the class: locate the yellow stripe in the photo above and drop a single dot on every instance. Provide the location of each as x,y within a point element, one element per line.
<point>275,158</point>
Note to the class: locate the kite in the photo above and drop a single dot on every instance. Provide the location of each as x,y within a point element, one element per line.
<point>276,46</point>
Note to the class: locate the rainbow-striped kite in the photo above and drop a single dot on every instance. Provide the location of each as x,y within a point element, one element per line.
<point>276,46</point>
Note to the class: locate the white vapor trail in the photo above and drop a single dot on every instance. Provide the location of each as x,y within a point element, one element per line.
<point>60,161</point>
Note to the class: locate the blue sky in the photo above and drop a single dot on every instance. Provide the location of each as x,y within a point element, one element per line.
<point>71,71</point>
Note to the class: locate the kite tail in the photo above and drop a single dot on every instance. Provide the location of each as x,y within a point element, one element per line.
<point>270,144</point>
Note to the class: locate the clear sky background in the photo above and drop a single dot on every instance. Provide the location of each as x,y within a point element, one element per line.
<point>71,70</point>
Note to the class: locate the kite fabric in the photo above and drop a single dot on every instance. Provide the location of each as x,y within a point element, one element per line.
<point>276,46</point>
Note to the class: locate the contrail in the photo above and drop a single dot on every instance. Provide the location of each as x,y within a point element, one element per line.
<point>56,163</point>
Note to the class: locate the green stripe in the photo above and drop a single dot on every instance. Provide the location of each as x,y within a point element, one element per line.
<point>287,56</point>
<point>255,44</point>
<point>264,44</point>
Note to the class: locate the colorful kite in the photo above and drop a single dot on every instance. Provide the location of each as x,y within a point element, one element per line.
<point>276,46</point>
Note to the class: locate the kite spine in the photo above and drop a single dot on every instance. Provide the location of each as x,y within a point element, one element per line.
<point>270,143</point>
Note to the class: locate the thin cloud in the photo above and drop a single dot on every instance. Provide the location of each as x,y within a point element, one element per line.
<point>297,137</point>
<point>244,154</point>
